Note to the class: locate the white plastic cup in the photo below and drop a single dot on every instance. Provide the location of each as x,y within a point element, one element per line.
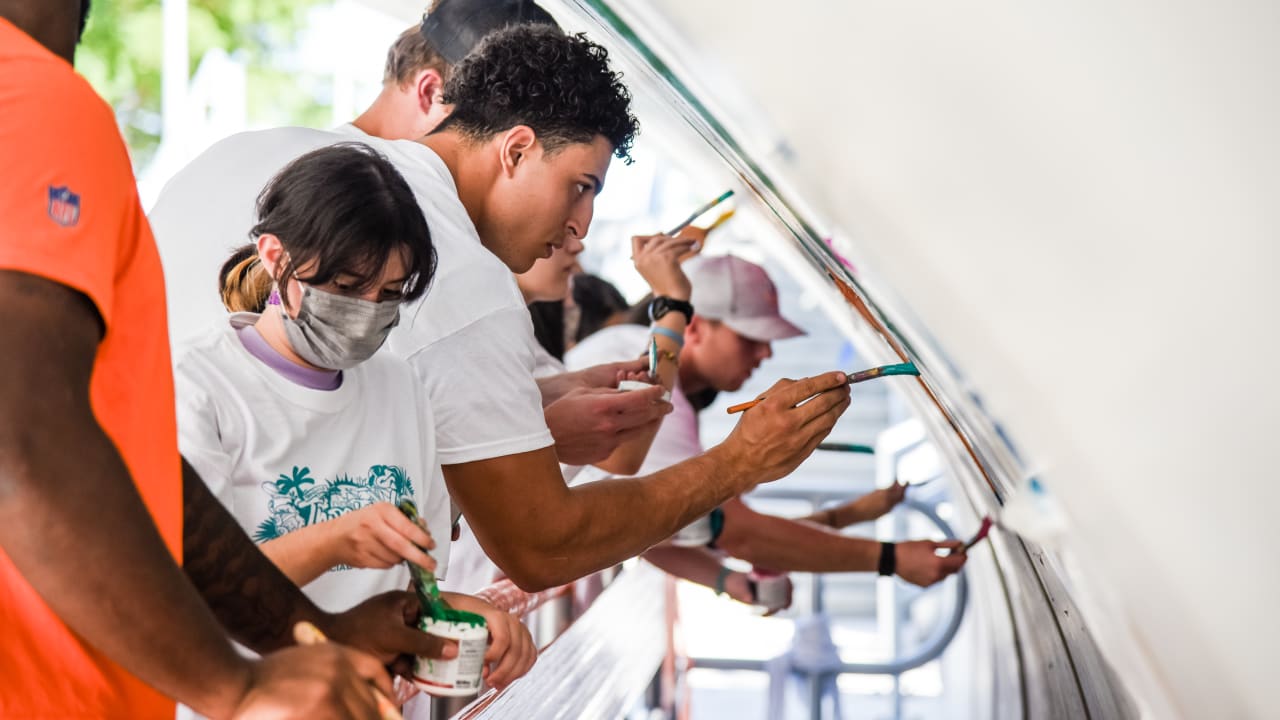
<point>461,675</point>
<point>695,534</point>
<point>629,385</point>
<point>771,589</point>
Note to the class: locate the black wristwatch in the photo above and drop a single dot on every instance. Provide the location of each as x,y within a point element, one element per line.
<point>661,305</point>
<point>888,564</point>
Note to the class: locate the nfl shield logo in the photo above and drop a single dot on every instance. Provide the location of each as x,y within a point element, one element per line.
<point>64,206</point>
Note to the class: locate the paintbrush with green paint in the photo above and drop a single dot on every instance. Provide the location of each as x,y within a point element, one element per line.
<point>905,368</point>
<point>424,581</point>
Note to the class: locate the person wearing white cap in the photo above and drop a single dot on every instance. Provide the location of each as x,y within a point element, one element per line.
<point>735,319</point>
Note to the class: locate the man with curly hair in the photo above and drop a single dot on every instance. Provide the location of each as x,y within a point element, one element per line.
<point>514,171</point>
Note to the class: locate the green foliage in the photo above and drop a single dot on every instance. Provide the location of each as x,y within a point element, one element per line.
<point>123,48</point>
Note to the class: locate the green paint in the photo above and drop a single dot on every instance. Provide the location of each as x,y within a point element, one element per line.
<point>905,368</point>
<point>461,617</point>
<point>848,447</point>
<point>424,581</point>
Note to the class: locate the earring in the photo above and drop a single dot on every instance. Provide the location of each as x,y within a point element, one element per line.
<point>274,297</point>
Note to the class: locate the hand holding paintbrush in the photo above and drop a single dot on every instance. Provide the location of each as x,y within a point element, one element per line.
<point>772,441</point>
<point>853,378</point>
<point>307,634</point>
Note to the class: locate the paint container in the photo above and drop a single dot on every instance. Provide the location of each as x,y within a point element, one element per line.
<point>628,385</point>
<point>696,534</point>
<point>770,589</point>
<point>461,675</point>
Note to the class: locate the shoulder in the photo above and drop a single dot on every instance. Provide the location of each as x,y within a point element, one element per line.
<point>208,354</point>
<point>248,158</point>
<point>473,293</point>
<point>385,369</point>
<point>55,121</point>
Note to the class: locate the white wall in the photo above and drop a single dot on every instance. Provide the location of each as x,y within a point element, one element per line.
<point>1080,201</point>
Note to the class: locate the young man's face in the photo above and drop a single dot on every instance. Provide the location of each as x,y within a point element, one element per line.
<point>547,199</point>
<point>726,359</point>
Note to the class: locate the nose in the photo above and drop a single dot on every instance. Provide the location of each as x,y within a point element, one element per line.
<point>764,351</point>
<point>580,221</point>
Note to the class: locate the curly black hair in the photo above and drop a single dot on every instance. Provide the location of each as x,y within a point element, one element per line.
<point>559,85</point>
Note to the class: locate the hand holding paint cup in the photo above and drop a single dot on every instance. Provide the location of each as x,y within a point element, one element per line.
<point>461,675</point>
<point>629,385</point>
<point>772,590</point>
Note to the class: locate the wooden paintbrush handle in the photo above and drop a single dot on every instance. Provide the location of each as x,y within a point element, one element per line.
<point>307,634</point>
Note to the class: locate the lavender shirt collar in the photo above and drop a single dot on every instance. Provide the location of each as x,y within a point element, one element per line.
<point>257,346</point>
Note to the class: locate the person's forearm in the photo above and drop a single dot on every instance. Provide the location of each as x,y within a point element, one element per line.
<point>793,546</point>
<point>555,534</point>
<point>693,564</point>
<point>630,455</point>
<point>840,516</point>
<point>76,528</point>
<point>253,599</point>
<point>554,387</point>
<point>304,554</point>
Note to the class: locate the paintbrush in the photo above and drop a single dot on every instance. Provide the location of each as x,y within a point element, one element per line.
<point>694,216</point>
<point>424,581</point>
<point>905,368</point>
<point>307,634</point>
<point>653,357</point>
<point>983,531</point>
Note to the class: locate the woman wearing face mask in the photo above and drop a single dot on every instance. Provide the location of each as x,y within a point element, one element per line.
<point>295,421</point>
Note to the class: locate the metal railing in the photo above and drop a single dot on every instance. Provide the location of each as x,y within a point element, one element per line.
<point>929,650</point>
<point>601,641</point>
<point>889,449</point>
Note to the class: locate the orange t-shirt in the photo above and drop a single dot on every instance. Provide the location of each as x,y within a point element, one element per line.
<point>69,212</point>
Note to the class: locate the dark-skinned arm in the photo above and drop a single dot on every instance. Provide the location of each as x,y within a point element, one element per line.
<point>542,533</point>
<point>71,519</point>
<point>75,526</point>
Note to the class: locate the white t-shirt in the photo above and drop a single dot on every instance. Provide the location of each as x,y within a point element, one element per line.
<point>462,338</point>
<point>677,439</point>
<point>281,456</point>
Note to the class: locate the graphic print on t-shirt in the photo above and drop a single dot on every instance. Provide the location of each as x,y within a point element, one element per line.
<point>297,499</point>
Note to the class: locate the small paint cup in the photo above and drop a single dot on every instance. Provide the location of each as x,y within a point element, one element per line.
<point>461,675</point>
<point>771,589</point>
<point>695,534</point>
<point>629,385</point>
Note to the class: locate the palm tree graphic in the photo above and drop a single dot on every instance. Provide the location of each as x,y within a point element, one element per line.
<point>293,485</point>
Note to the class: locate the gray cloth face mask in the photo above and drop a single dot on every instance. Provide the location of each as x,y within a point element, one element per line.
<point>337,332</point>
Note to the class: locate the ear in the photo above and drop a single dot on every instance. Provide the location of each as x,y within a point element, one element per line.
<point>696,331</point>
<point>428,87</point>
<point>517,145</point>
<point>270,251</point>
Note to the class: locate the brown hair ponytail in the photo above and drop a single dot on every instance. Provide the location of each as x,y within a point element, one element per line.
<point>243,283</point>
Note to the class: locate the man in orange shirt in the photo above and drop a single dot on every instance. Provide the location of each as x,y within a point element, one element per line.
<point>97,619</point>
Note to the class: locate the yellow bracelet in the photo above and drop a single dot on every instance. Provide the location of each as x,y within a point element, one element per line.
<point>668,355</point>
